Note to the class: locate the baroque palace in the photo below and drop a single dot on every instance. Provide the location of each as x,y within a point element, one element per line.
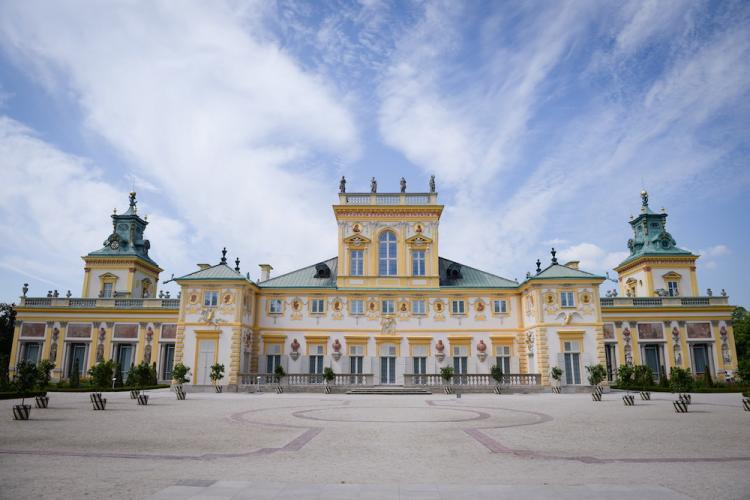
<point>386,310</point>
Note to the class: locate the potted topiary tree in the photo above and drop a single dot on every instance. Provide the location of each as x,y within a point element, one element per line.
<point>446,373</point>
<point>132,381</point>
<point>101,375</point>
<point>328,376</point>
<point>142,379</point>
<point>26,376</point>
<point>556,374</point>
<point>217,373</point>
<point>75,375</point>
<point>279,376</point>
<point>597,375</point>
<point>43,376</point>
<point>496,372</point>
<point>180,374</point>
<point>681,381</point>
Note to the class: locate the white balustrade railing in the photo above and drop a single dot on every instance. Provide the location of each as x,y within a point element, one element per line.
<point>473,379</point>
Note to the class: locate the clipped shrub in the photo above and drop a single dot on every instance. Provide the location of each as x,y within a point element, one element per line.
<point>118,375</point>
<point>153,377</point>
<point>643,376</point>
<point>496,372</point>
<point>130,379</point>
<point>279,373</point>
<point>447,374</point>
<point>708,381</point>
<point>680,379</point>
<point>44,373</point>
<point>625,376</point>
<point>556,373</point>
<point>26,377</point>
<point>217,372</point>
<point>102,373</point>
<point>328,374</point>
<point>597,374</point>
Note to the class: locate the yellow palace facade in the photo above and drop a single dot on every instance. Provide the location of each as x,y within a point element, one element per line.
<point>387,310</point>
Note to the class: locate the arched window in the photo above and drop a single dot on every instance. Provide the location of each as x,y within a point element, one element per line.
<point>387,254</point>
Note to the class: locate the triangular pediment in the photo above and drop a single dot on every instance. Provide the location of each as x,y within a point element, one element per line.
<point>418,239</point>
<point>108,276</point>
<point>671,275</point>
<point>357,240</point>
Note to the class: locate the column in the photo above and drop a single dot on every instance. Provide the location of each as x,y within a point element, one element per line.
<point>14,348</point>
<point>233,370</point>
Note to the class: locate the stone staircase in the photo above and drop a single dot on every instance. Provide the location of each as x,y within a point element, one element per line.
<point>389,389</point>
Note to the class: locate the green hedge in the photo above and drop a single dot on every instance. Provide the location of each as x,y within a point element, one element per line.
<point>719,389</point>
<point>14,395</point>
<point>109,389</point>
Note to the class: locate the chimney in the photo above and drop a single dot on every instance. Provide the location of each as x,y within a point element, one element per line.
<point>573,264</point>
<point>201,267</point>
<point>265,271</point>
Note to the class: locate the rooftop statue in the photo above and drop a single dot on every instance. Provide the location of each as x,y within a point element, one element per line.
<point>432,184</point>
<point>403,185</point>
<point>373,185</point>
<point>342,185</point>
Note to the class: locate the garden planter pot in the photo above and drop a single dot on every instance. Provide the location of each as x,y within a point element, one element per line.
<point>327,389</point>
<point>142,399</point>
<point>134,394</point>
<point>646,395</point>
<point>180,394</point>
<point>629,400</point>
<point>219,388</point>
<point>596,396</point>
<point>97,402</point>
<point>448,389</point>
<point>556,389</point>
<point>279,389</point>
<point>497,389</point>
<point>41,401</point>
<point>680,406</point>
<point>746,404</point>
<point>21,412</point>
<point>686,398</point>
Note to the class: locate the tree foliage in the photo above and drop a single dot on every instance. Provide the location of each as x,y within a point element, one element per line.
<point>597,374</point>
<point>102,373</point>
<point>180,373</point>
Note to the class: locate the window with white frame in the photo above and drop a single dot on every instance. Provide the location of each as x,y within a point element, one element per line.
<point>357,263</point>
<point>210,299</point>
<point>458,306</point>
<point>275,306</point>
<point>107,290</point>
<point>389,307</point>
<point>318,306</point>
<point>358,306</point>
<point>672,289</point>
<point>417,263</point>
<point>572,355</point>
<point>417,306</point>
<point>387,254</point>
<point>502,358</point>
<point>273,357</point>
<point>356,350</point>
<point>316,358</point>
<point>567,299</point>
<point>499,306</point>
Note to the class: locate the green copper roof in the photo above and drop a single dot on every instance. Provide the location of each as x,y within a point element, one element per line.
<point>558,271</point>
<point>650,236</point>
<point>469,277</point>
<point>217,272</point>
<point>304,278</point>
<point>127,236</point>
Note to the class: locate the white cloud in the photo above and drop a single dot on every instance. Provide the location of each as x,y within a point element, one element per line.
<point>714,251</point>
<point>204,107</point>
<point>592,257</point>
<point>55,208</point>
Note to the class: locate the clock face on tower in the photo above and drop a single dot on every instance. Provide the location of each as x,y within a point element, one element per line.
<point>114,245</point>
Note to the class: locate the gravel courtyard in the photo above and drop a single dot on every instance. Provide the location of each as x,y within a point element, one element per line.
<point>338,446</point>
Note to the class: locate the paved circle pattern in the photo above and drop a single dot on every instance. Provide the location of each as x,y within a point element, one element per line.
<point>392,414</point>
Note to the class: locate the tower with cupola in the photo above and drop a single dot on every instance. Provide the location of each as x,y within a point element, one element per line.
<point>656,266</point>
<point>122,267</point>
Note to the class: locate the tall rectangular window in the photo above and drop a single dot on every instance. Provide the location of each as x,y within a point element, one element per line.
<point>387,254</point>
<point>358,306</point>
<point>318,306</point>
<point>107,290</point>
<point>357,263</point>
<point>572,357</point>
<point>567,299</point>
<point>672,289</point>
<point>503,358</point>
<point>457,307</point>
<point>417,263</point>
<point>417,307</point>
<point>388,307</point>
<point>499,307</point>
<point>210,299</point>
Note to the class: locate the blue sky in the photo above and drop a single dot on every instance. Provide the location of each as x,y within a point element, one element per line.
<point>541,121</point>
